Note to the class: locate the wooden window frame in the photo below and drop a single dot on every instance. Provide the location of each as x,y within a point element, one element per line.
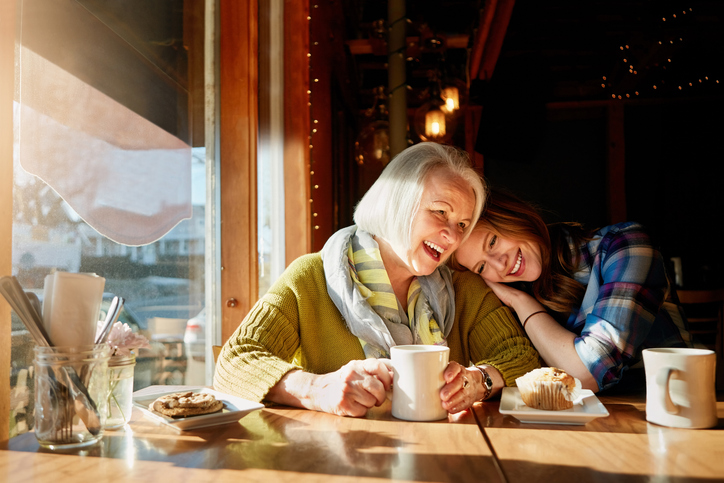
<point>238,129</point>
<point>7,79</point>
<point>297,129</point>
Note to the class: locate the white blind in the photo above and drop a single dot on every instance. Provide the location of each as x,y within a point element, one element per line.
<point>110,142</point>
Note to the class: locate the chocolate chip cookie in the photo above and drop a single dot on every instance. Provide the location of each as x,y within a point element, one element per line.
<point>183,404</point>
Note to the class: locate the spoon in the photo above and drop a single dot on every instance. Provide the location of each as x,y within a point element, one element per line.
<point>17,298</point>
<point>20,303</point>
<point>114,310</point>
<point>35,302</point>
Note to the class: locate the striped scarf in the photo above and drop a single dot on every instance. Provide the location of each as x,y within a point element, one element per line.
<point>360,287</point>
<point>369,275</point>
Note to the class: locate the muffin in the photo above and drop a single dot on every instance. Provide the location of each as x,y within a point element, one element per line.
<point>548,388</point>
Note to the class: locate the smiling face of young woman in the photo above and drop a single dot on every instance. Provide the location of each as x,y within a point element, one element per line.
<point>445,212</point>
<point>499,259</point>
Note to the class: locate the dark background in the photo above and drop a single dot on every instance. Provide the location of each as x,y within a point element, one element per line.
<point>544,124</point>
<point>578,88</point>
<point>538,140</point>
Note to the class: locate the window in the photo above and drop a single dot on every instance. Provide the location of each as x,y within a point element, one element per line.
<point>270,165</point>
<point>153,73</point>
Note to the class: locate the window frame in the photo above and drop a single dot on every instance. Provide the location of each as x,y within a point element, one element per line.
<point>238,130</point>
<point>7,79</point>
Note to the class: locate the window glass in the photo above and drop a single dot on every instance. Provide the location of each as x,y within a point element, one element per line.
<point>270,163</point>
<point>163,282</point>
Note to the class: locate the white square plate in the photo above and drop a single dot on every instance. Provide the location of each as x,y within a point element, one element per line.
<point>234,409</point>
<point>589,409</point>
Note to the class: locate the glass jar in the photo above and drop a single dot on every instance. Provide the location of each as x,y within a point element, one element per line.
<point>71,393</point>
<point>120,390</point>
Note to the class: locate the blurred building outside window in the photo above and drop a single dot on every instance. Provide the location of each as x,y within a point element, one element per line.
<point>162,281</point>
<point>163,284</point>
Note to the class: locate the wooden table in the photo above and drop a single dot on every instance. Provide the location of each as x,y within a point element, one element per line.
<point>270,445</point>
<point>285,444</point>
<point>618,448</point>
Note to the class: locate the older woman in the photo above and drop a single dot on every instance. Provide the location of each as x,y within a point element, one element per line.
<point>314,339</point>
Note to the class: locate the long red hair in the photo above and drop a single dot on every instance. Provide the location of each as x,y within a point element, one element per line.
<point>508,216</point>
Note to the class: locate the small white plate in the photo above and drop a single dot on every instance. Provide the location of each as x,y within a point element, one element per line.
<point>589,409</point>
<point>234,409</point>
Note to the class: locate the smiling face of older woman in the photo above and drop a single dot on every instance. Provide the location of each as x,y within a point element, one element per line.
<point>446,210</point>
<point>500,259</point>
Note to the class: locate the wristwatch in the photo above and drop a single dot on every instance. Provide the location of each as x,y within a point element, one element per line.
<point>487,383</point>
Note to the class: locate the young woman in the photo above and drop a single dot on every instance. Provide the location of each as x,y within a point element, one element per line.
<point>590,302</point>
<point>314,339</point>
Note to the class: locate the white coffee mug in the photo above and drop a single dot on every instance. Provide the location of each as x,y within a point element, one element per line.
<point>417,381</point>
<point>680,387</point>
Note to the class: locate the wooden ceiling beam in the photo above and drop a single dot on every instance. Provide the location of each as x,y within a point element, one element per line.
<point>494,19</point>
<point>481,36</point>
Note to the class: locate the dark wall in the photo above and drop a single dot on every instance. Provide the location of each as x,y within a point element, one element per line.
<point>675,182</point>
<point>666,70</point>
<point>673,179</point>
<point>563,170</point>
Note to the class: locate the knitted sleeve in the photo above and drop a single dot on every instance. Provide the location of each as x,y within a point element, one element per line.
<point>294,326</point>
<point>261,350</point>
<point>258,354</point>
<point>490,334</point>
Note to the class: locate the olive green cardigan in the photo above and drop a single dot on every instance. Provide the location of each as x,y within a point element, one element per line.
<point>296,314</point>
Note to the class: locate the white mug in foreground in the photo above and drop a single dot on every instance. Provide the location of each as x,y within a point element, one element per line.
<point>417,381</point>
<point>680,387</point>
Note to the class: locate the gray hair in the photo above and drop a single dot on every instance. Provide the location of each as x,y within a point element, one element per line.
<point>391,203</point>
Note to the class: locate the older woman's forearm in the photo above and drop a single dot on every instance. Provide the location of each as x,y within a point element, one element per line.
<point>292,390</point>
<point>349,391</point>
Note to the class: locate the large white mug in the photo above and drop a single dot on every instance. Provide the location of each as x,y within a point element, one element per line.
<point>680,387</point>
<point>417,381</point>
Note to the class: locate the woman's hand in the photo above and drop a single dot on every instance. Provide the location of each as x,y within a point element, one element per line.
<point>351,390</point>
<point>463,386</point>
<point>521,303</point>
<point>505,293</point>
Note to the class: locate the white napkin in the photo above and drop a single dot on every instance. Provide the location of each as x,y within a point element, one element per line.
<point>71,307</point>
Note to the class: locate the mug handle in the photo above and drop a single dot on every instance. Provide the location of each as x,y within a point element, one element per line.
<point>662,380</point>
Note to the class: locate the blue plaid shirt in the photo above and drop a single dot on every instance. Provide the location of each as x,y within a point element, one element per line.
<point>625,307</point>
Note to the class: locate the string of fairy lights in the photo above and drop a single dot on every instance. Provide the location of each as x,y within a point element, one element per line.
<point>665,53</point>
<point>314,123</point>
